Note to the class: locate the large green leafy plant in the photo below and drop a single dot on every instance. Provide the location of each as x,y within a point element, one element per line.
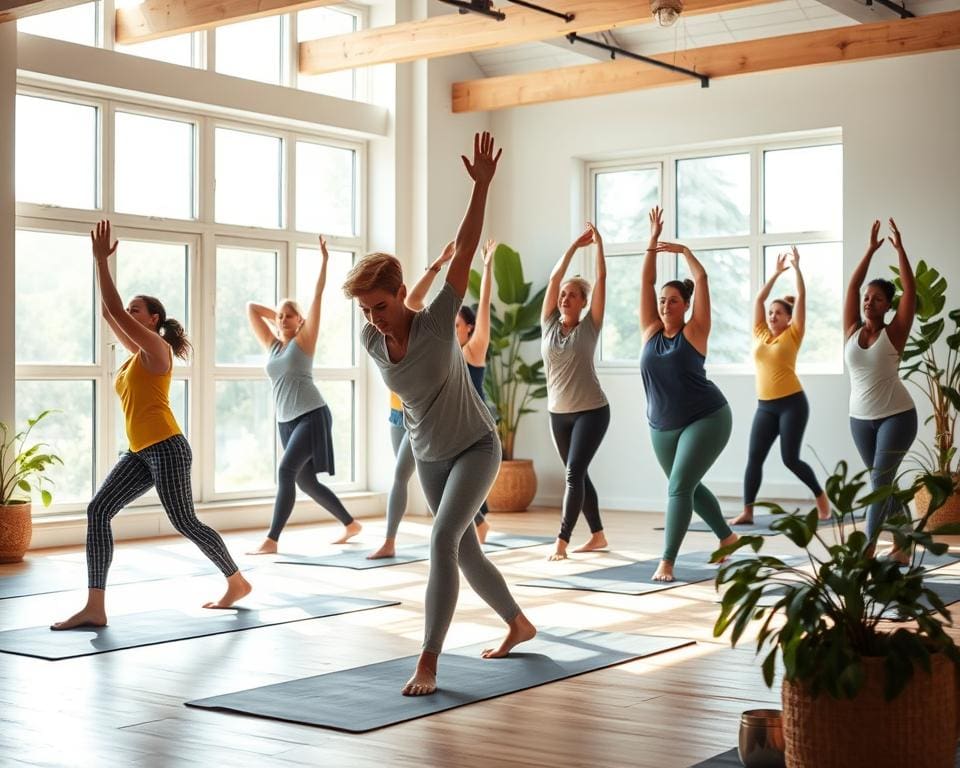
<point>825,620</point>
<point>512,384</point>
<point>22,468</point>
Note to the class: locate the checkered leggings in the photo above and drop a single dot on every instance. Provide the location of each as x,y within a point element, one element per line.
<point>165,465</point>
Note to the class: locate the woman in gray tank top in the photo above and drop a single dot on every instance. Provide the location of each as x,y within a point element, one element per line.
<point>883,418</point>
<point>452,434</point>
<point>303,418</point>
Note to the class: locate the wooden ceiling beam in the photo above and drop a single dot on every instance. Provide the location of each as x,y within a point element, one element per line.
<point>936,32</point>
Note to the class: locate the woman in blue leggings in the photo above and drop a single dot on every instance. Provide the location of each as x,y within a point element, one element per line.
<point>690,420</point>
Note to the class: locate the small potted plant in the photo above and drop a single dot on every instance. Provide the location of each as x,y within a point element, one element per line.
<point>512,384</point>
<point>22,469</point>
<point>857,688</point>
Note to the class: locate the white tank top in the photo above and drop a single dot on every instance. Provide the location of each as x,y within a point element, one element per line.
<point>876,390</point>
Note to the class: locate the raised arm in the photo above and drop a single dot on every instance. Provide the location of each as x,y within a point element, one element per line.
<point>599,301</point>
<point>481,170</point>
<point>416,298</point>
<point>475,350</point>
<point>760,302</point>
<point>310,330</point>
<point>851,304</point>
<point>122,337</point>
<point>697,328</point>
<point>155,352</point>
<point>899,328</point>
<point>800,306</point>
<point>650,321</point>
<point>262,321</point>
<point>552,295</point>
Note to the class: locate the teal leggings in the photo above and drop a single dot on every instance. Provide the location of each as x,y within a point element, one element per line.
<point>685,455</point>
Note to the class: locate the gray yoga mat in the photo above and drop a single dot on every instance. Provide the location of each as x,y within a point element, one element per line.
<point>730,759</point>
<point>357,559</point>
<point>760,526</point>
<point>366,698</point>
<point>138,629</point>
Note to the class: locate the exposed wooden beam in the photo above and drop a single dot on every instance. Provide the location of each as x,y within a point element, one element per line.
<point>936,32</point>
<point>11,10</point>
<point>451,34</point>
<point>153,19</point>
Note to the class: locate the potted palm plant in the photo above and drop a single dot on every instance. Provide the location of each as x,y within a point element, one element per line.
<point>512,384</point>
<point>22,469</point>
<point>935,370</point>
<point>857,688</point>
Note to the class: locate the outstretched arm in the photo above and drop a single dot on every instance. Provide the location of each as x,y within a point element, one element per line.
<point>760,302</point>
<point>475,350</point>
<point>899,328</point>
<point>649,316</point>
<point>800,308</point>
<point>122,337</point>
<point>418,294</point>
<point>262,321</point>
<point>552,295</point>
<point>599,301</point>
<point>310,330</point>
<point>698,327</point>
<point>481,170</point>
<point>154,351</point>
<point>851,304</point>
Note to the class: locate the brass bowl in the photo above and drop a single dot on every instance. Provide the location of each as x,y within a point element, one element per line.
<point>761,739</point>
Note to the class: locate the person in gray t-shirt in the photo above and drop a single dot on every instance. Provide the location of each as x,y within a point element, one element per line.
<point>579,412</point>
<point>451,431</point>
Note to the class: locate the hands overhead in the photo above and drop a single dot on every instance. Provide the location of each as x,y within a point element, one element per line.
<point>100,239</point>
<point>484,164</point>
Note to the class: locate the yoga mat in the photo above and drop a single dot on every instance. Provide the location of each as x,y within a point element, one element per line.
<point>164,626</point>
<point>731,759</point>
<point>365,698</point>
<point>760,526</point>
<point>357,559</point>
<point>636,578</point>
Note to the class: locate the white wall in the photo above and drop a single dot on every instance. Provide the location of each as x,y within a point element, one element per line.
<point>901,122</point>
<point>8,92</point>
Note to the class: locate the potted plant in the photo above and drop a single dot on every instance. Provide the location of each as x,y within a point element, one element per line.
<point>938,377</point>
<point>21,471</point>
<point>512,384</point>
<point>857,689</point>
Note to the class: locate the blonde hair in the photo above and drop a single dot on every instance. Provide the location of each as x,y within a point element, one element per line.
<point>289,304</point>
<point>374,272</point>
<point>581,283</point>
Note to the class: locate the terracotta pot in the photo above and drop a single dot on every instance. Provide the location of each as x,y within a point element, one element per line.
<point>514,488</point>
<point>948,513</point>
<point>16,528</point>
<point>917,729</point>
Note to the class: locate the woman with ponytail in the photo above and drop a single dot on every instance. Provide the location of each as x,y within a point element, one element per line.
<point>782,407</point>
<point>159,454</point>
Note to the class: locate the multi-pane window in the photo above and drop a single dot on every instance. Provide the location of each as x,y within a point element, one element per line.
<point>248,178</point>
<point>317,23</point>
<point>736,209</point>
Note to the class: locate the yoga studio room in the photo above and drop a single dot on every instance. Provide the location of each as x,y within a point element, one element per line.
<point>479,383</point>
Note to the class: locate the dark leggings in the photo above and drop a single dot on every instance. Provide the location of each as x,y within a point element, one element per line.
<point>882,444</point>
<point>786,417</point>
<point>577,437</point>
<point>296,469</point>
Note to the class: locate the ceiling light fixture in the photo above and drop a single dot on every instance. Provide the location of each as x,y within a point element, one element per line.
<point>666,11</point>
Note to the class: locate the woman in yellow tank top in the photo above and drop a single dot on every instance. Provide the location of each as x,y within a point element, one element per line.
<point>159,454</point>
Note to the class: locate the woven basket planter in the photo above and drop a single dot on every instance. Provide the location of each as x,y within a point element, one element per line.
<point>514,488</point>
<point>917,729</point>
<point>16,529</point>
<point>948,513</point>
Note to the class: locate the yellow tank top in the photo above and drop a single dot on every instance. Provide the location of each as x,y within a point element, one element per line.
<point>145,399</point>
<point>776,362</point>
<point>395,404</point>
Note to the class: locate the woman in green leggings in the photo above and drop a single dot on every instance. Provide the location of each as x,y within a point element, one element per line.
<point>690,420</point>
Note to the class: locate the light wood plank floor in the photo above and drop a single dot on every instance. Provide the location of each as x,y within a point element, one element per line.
<point>126,708</point>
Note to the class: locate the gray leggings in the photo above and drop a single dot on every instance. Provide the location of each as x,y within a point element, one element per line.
<point>454,489</point>
<point>882,444</point>
<point>402,472</point>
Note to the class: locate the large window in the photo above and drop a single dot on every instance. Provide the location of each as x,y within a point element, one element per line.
<point>736,208</point>
<point>203,237</point>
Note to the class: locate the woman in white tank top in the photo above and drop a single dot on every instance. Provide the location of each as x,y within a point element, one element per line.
<point>883,419</point>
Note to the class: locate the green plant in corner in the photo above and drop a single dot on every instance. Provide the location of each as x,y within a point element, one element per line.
<point>22,467</point>
<point>512,384</point>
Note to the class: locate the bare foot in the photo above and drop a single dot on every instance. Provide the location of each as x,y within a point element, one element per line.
<point>349,531</point>
<point>596,541</point>
<point>237,588</point>
<point>664,571</point>
<point>424,680</point>
<point>561,551</point>
<point>519,631</point>
<point>482,530</point>
<point>388,549</point>
<point>269,547</point>
<point>731,539</point>
<point>900,555</point>
<point>88,617</point>
<point>823,506</point>
<point>744,518</point>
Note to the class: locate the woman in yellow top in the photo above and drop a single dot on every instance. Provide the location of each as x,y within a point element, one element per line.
<point>782,407</point>
<point>159,454</point>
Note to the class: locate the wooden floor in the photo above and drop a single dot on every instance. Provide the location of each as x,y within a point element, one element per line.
<point>126,708</point>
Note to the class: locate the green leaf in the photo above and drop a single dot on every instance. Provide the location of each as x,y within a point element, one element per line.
<point>508,272</point>
<point>473,284</point>
<point>24,486</point>
<point>46,497</point>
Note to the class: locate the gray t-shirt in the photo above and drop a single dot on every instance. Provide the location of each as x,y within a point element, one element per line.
<point>441,408</point>
<point>291,371</point>
<point>572,383</point>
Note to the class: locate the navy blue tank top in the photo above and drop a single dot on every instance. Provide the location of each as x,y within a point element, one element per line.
<point>678,390</point>
<point>476,376</point>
